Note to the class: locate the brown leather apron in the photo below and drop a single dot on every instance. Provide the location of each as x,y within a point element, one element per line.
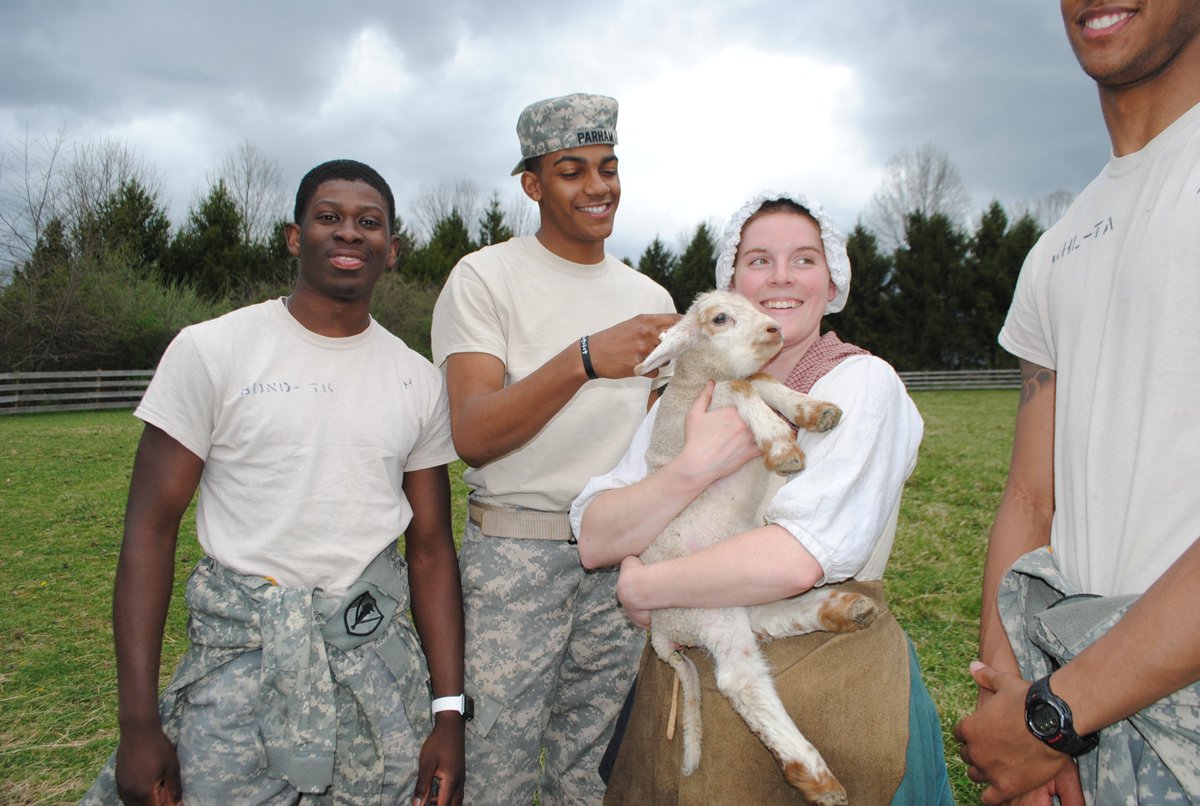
<point>847,693</point>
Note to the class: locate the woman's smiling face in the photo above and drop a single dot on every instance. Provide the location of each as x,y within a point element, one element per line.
<point>781,267</point>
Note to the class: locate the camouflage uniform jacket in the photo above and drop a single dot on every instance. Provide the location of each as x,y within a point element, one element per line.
<point>1151,757</point>
<point>312,691</point>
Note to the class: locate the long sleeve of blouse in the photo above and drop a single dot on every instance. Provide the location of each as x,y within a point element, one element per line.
<point>844,502</point>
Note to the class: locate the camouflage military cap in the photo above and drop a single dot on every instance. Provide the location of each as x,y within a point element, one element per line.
<point>568,121</point>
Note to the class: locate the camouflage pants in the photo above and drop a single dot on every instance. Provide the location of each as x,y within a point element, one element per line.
<point>1151,757</point>
<point>549,659</point>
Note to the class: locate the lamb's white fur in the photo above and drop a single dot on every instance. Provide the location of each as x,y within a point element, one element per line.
<point>726,338</point>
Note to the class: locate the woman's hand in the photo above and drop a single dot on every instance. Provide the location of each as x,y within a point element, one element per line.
<point>716,442</point>
<point>631,570</point>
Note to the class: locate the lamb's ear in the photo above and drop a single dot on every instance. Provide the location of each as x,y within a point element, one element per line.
<point>674,342</point>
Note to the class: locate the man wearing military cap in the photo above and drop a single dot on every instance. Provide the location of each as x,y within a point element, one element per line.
<point>558,124</point>
<point>538,337</point>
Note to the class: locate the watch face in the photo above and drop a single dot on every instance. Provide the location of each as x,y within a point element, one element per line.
<point>1045,720</point>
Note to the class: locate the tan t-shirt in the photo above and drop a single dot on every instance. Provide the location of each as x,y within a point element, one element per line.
<point>305,440</point>
<point>523,304</point>
<point>1108,300</point>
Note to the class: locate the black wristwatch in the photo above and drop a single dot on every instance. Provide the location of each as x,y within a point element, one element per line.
<point>1048,718</point>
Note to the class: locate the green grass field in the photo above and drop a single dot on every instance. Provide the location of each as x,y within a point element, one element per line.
<point>63,480</point>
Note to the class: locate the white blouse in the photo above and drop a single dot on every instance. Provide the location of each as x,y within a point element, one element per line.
<point>844,505</point>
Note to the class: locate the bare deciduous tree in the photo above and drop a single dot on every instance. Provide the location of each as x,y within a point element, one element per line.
<point>1045,210</point>
<point>96,172</point>
<point>255,181</point>
<point>435,203</point>
<point>521,214</point>
<point>921,180</point>
<point>29,175</point>
<point>53,178</point>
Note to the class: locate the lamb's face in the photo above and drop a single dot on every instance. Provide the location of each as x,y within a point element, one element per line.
<point>739,336</point>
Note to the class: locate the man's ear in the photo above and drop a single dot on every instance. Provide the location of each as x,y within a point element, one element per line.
<point>532,185</point>
<point>393,252</point>
<point>291,232</point>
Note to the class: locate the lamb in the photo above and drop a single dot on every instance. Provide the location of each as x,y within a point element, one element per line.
<point>725,338</point>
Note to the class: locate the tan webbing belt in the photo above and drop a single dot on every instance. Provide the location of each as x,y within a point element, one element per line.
<point>529,524</point>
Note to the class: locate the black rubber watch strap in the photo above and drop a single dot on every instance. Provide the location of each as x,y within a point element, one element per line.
<point>1065,739</point>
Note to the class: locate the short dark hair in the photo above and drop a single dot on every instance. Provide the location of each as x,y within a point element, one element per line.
<point>780,206</point>
<point>349,170</point>
<point>534,164</point>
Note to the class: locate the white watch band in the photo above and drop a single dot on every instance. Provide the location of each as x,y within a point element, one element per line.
<point>456,703</point>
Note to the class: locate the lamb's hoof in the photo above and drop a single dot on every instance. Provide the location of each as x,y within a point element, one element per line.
<point>690,762</point>
<point>829,416</point>
<point>847,612</point>
<point>817,786</point>
<point>784,457</point>
<point>790,465</point>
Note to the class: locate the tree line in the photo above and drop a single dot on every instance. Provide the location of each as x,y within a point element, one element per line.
<point>935,301</point>
<point>98,278</point>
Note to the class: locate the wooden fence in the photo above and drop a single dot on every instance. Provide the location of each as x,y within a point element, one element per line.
<point>963,379</point>
<point>29,392</point>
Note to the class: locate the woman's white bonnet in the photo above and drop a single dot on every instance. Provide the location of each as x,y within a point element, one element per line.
<point>834,242</point>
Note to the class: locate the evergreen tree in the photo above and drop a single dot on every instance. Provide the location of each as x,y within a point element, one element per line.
<point>696,270</point>
<point>431,263</point>
<point>992,265</point>
<point>868,318</point>
<point>268,270</point>
<point>207,251</point>
<point>408,243</point>
<point>132,221</point>
<point>658,263</point>
<point>277,248</point>
<point>492,228</point>
<point>52,251</point>
<point>38,327</point>
<point>928,268</point>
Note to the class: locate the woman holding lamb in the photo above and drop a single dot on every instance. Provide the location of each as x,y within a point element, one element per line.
<point>857,696</point>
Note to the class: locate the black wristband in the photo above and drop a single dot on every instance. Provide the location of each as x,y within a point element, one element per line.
<point>587,360</point>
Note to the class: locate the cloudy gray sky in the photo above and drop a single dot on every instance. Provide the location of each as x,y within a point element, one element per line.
<point>718,99</point>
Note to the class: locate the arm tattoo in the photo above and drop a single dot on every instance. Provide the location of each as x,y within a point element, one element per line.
<point>1033,380</point>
